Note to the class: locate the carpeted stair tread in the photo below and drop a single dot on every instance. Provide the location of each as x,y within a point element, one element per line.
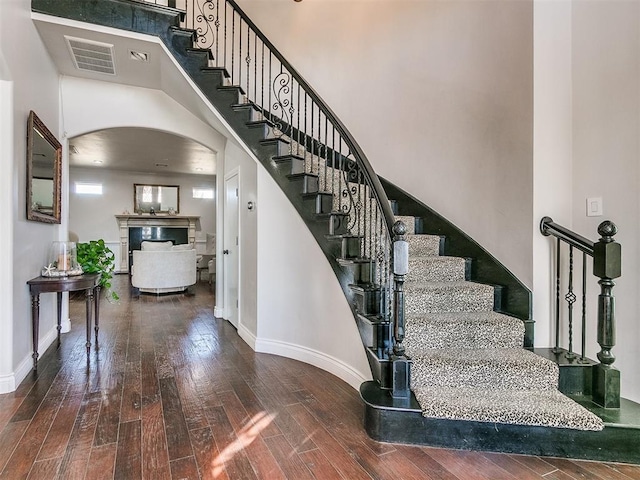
<point>463,330</point>
<point>436,268</point>
<point>430,297</point>
<point>422,245</point>
<point>505,368</point>
<point>545,408</point>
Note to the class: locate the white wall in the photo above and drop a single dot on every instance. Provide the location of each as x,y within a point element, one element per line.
<point>443,88</point>
<point>302,311</point>
<point>126,106</point>
<point>606,154</point>
<point>552,191</point>
<point>236,158</point>
<point>92,216</point>
<point>29,82</point>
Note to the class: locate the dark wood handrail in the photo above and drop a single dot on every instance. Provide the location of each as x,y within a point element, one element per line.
<point>549,227</point>
<point>371,177</point>
<point>607,266</point>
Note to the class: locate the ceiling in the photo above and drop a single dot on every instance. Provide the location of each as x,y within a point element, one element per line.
<point>132,149</point>
<point>141,150</point>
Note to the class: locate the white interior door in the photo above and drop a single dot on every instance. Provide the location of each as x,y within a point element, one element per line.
<point>231,248</point>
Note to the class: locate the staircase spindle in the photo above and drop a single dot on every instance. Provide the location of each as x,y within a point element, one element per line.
<point>583,358</point>
<point>570,298</point>
<point>558,267</point>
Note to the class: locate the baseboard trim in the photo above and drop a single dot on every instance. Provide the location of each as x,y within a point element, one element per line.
<point>313,357</point>
<point>9,383</point>
<point>246,335</point>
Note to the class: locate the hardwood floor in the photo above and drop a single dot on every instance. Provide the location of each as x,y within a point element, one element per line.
<point>173,393</point>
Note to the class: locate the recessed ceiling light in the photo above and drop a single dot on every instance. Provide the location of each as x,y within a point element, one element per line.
<point>97,161</point>
<point>139,56</point>
<point>198,169</point>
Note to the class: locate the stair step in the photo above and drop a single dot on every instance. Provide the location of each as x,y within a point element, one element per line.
<point>206,51</point>
<point>463,330</point>
<point>422,245</point>
<point>308,182</point>
<point>434,269</point>
<point>434,297</point>
<point>547,408</point>
<point>500,368</point>
<point>322,202</point>
<point>337,222</point>
<point>375,332</point>
<point>410,223</point>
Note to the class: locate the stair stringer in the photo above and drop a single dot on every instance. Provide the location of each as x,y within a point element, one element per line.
<point>514,297</point>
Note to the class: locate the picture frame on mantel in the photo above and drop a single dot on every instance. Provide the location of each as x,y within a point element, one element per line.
<point>152,199</point>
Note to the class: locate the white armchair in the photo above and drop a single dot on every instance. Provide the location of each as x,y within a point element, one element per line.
<point>164,270</point>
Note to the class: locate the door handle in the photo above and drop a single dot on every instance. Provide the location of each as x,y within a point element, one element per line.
<point>225,252</point>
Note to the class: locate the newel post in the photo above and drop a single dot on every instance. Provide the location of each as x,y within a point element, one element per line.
<point>607,266</point>
<point>401,369</point>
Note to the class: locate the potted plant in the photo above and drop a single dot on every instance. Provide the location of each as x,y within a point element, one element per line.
<point>96,257</point>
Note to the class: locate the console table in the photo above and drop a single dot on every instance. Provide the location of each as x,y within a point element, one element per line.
<point>89,282</point>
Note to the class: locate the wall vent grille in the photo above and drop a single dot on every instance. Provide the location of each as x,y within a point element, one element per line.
<point>91,56</point>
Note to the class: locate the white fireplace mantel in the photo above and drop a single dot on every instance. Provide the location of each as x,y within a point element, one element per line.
<point>127,221</point>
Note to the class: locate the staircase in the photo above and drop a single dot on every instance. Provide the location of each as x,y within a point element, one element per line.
<point>474,385</point>
<point>468,361</point>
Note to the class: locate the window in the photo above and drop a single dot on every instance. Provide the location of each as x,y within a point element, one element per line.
<point>88,188</point>
<point>203,193</point>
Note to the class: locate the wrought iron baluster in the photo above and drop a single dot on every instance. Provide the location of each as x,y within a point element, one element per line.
<point>557,347</point>
<point>298,117</point>
<point>248,60</point>
<point>341,175</point>
<point>312,137</point>
<point>233,45</point>
<point>217,25</point>
<point>584,308</point>
<point>255,68</point>
<point>262,84</point>
<point>570,298</point>
<point>333,162</point>
<point>224,63</point>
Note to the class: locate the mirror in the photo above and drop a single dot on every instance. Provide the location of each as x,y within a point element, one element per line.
<point>154,199</point>
<point>44,163</point>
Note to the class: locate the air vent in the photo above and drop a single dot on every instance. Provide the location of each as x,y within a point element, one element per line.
<point>91,56</point>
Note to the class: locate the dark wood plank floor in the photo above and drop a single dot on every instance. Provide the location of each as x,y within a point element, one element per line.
<point>173,393</point>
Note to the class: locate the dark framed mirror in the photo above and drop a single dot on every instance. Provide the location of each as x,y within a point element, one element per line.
<point>44,172</point>
<point>154,199</point>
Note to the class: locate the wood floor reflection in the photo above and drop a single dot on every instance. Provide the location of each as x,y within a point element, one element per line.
<point>173,393</point>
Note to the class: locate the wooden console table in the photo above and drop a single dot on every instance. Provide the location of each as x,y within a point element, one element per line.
<point>89,282</point>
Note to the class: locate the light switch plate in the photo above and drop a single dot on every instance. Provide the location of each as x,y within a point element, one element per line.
<point>594,207</point>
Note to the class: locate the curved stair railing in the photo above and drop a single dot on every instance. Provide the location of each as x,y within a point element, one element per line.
<point>325,150</point>
<point>607,257</point>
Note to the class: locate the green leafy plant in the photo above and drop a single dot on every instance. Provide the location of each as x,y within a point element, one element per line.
<point>96,257</point>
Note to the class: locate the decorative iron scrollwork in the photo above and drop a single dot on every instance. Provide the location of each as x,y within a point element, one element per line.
<point>205,36</point>
<point>282,88</point>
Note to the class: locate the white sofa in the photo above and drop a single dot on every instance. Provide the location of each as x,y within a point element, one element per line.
<point>161,267</point>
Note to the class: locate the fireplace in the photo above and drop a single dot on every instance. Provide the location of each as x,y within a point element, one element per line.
<point>134,229</point>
